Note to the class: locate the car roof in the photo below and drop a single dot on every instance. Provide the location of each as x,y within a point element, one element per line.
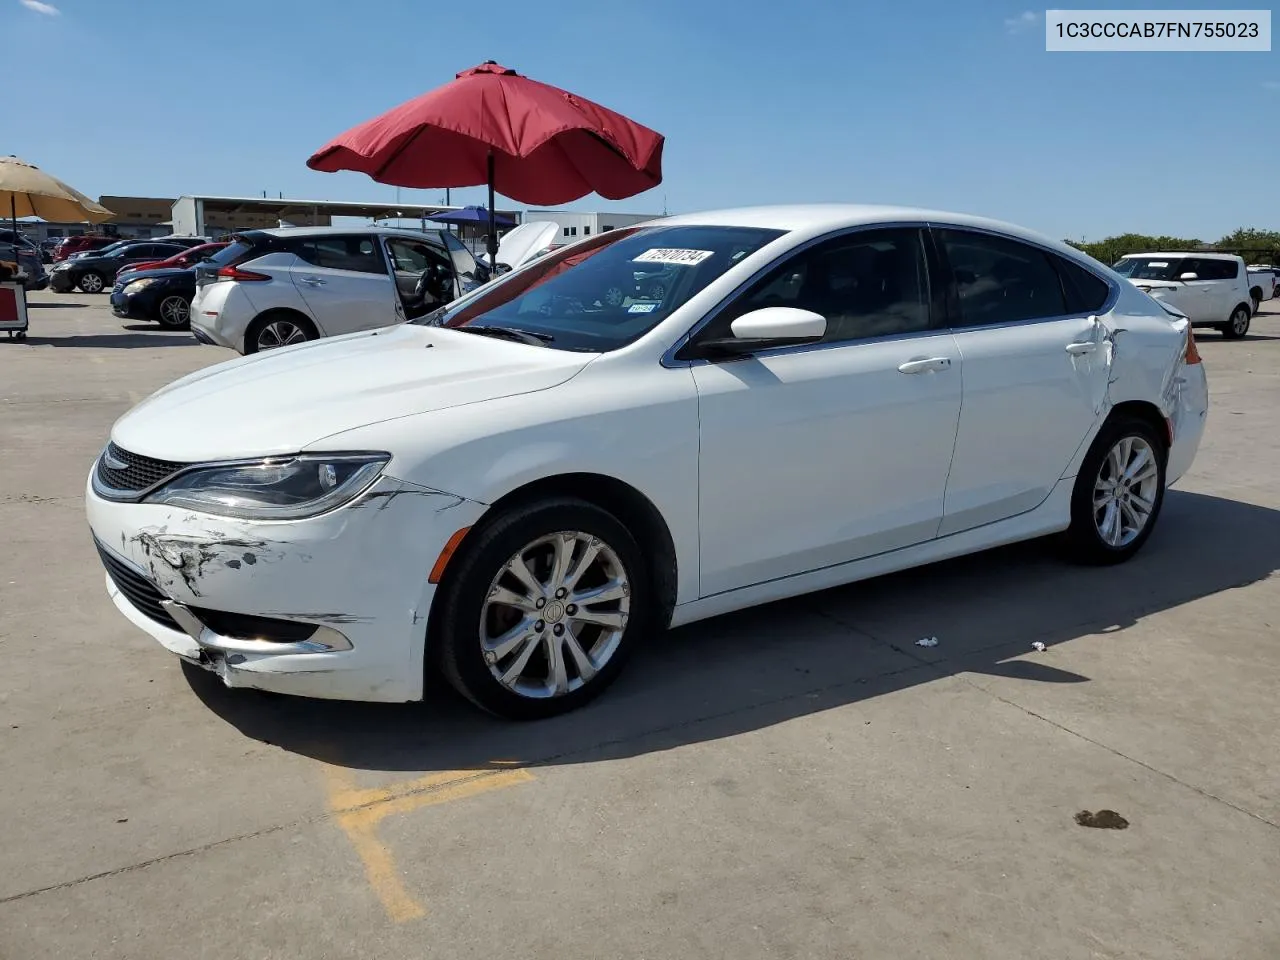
<point>820,217</point>
<point>340,231</point>
<point>1184,253</point>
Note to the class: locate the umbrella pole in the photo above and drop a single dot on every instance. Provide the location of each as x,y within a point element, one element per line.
<point>13,215</point>
<point>493,230</point>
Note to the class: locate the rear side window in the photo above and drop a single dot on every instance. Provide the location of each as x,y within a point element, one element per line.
<point>999,280</point>
<point>233,252</point>
<point>1085,292</point>
<point>358,254</point>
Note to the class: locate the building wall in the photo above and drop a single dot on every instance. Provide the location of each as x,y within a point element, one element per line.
<point>575,225</point>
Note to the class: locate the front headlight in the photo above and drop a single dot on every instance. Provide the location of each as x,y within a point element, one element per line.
<point>275,489</point>
<point>136,286</point>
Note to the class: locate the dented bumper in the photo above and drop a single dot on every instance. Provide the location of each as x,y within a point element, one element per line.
<point>344,595</point>
<point>1189,408</point>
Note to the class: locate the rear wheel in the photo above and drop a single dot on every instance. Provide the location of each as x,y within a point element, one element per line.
<point>174,312</point>
<point>279,329</point>
<point>92,282</point>
<point>1238,325</point>
<point>1118,492</point>
<point>542,609</point>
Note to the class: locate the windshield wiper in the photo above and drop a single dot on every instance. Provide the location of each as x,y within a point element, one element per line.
<point>509,333</point>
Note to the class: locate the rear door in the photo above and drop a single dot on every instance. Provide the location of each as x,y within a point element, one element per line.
<point>1225,288</point>
<point>1035,366</point>
<point>343,280</point>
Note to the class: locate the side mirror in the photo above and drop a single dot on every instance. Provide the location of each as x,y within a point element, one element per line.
<point>1189,276</point>
<point>766,328</point>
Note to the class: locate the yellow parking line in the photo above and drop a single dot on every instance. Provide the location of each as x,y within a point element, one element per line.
<point>360,810</point>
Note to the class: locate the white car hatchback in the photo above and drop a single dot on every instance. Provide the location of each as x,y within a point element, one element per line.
<point>1210,288</point>
<point>272,288</point>
<point>520,487</point>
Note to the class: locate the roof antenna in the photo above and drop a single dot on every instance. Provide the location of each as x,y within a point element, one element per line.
<point>664,204</point>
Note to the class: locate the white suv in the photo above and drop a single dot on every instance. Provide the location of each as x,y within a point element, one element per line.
<point>1212,289</point>
<point>269,288</point>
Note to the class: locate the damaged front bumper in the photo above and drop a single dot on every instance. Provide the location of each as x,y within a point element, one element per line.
<point>333,606</point>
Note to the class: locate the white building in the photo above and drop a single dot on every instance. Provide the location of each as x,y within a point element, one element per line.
<point>574,225</point>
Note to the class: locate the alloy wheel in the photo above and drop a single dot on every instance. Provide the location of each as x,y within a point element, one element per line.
<point>1125,491</point>
<point>555,614</point>
<point>1240,322</point>
<point>280,333</point>
<point>91,283</point>
<point>174,311</point>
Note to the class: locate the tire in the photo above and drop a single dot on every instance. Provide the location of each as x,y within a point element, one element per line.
<point>1091,538</point>
<point>1256,301</point>
<point>174,312</point>
<point>465,635</point>
<point>276,325</point>
<point>1238,325</point>
<point>91,281</point>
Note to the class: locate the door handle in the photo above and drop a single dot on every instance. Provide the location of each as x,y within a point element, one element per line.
<point>1077,348</point>
<point>314,281</point>
<point>926,365</point>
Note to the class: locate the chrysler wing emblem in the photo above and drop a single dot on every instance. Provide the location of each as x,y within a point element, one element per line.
<point>111,463</point>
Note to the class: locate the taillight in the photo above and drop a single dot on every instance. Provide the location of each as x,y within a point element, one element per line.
<point>1193,355</point>
<point>235,273</point>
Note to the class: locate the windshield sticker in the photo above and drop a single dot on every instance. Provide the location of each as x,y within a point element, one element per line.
<point>642,308</point>
<point>687,258</point>
<point>1157,263</point>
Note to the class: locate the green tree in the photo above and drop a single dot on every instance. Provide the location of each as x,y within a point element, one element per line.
<point>1255,245</point>
<point>1111,249</point>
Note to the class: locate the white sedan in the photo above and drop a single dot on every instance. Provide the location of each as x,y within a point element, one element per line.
<point>521,487</point>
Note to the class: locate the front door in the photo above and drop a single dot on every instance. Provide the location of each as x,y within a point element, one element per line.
<point>344,282</point>
<point>819,455</point>
<point>1036,367</point>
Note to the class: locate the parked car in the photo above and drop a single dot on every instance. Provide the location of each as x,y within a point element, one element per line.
<point>188,258</point>
<point>97,272</point>
<point>1262,285</point>
<point>517,489</point>
<point>1210,288</point>
<point>272,288</point>
<point>81,244</point>
<point>19,257</point>
<point>162,295</point>
<point>1268,276</point>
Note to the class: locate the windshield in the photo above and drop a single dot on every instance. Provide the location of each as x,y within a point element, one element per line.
<point>1148,268</point>
<point>604,293</point>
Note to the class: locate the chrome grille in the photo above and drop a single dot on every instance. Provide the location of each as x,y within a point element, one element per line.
<point>139,473</point>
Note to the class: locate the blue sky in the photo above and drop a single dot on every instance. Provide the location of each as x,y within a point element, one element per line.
<point>945,104</point>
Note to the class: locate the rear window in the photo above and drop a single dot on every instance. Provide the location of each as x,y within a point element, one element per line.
<point>233,252</point>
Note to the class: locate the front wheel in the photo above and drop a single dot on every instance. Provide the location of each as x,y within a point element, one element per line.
<point>1236,327</point>
<point>92,282</point>
<point>1118,492</point>
<point>174,312</point>
<point>542,609</point>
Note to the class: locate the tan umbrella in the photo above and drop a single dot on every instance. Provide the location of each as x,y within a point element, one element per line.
<point>27,191</point>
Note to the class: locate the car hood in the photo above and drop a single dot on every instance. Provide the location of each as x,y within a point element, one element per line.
<point>284,400</point>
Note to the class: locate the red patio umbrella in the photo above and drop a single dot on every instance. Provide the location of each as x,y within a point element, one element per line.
<point>530,141</point>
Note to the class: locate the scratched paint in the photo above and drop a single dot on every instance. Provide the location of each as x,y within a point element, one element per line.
<point>359,811</point>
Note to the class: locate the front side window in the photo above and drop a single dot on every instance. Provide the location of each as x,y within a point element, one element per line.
<point>1219,269</point>
<point>871,283</point>
<point>358,254</point>
<point>999,280</point>
<point>600,294</point>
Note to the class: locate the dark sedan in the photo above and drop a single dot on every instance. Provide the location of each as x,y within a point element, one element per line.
<point>97,272</point>
<point>163,296</point>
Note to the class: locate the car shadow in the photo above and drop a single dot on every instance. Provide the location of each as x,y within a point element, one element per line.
<point>117,340</point>
<point>766,665</point>
<point>46,305</point>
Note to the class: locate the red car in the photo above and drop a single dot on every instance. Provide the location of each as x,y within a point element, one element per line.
<point>188,258</point>
<point>79,244</point>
